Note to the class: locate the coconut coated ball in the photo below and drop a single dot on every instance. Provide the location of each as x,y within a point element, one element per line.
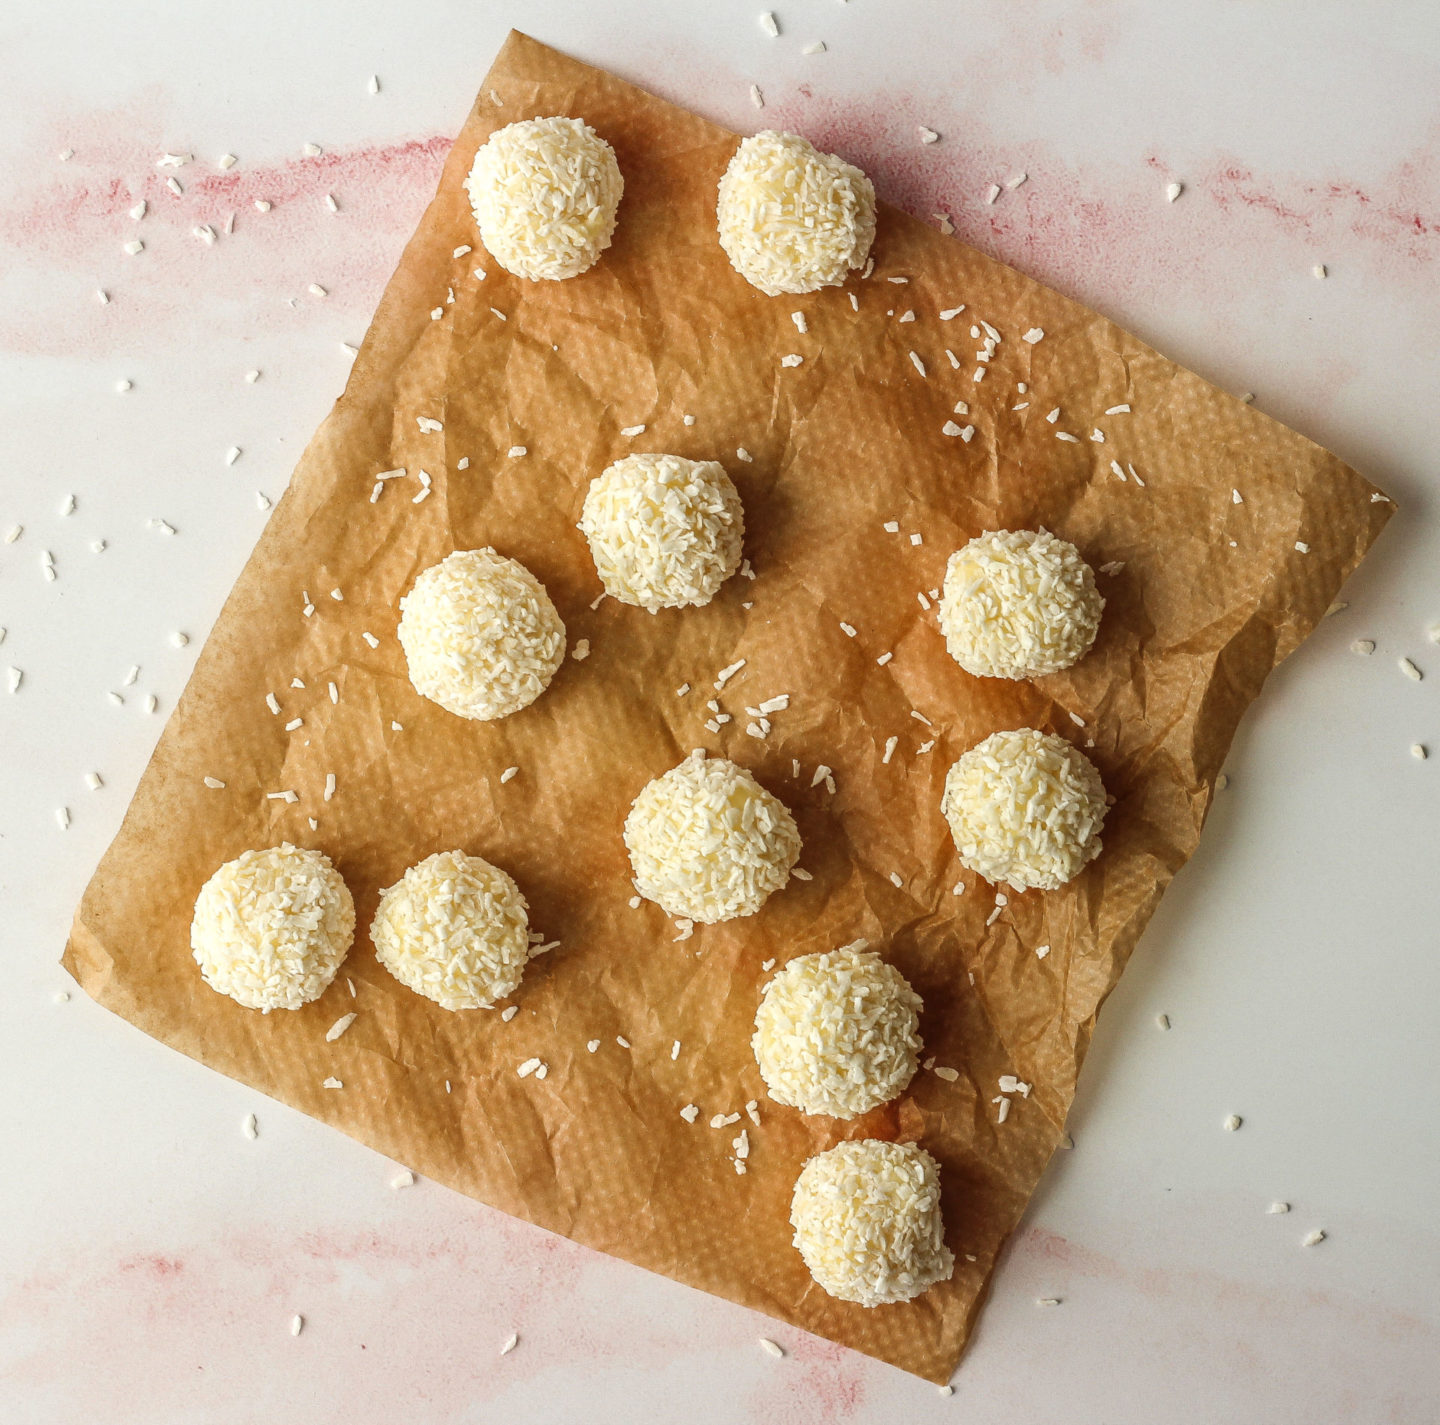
<point>271,927</point>
<point>480,635</point>
<point>664,532</point>
<point>793,219</point>
<point>1025,808</point>
<point>708,842</point>
<point>836,1033</point>
<point>1019,604</point>
<point>544,193</point>
<point>867,1222</point>
<point>454,928</point>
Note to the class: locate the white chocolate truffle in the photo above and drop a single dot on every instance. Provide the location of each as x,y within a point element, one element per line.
<point>793,219</point>
<point>836,1033</point>
<point>272,926</point>
<point>1019,604</point>
<point>708,842</point>
<point>664,532</point>
<point>544,192</point>
<point>1025,808</point>
<point>867,1222</point>
<point>480,635</point>
<point>454,929</point>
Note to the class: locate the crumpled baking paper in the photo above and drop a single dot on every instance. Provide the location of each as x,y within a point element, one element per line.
<point>1204,595</point>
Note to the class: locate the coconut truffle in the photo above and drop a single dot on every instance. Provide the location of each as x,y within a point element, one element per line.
<point>867,1222</point>
<point>454,929</point>
<point>272,926</point>
<point>793,219</point>
<point>1025,808</point>
<point>1018,604</point>
<point>544,192</point>
<point>836,1033</point>
<point>708,842</point>
<point>480,635</point>
<point>664,532</point>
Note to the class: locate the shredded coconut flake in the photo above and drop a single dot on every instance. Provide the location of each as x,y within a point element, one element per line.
<point>339,1027</point>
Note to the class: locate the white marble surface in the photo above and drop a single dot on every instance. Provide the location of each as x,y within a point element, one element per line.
<point>153,1257</point>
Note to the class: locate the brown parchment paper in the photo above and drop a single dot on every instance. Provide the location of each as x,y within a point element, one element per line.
<point>1211,595</point>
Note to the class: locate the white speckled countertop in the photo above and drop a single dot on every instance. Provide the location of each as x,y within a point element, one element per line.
<point>154,1256</point>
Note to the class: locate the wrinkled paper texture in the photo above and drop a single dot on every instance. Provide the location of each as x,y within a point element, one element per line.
<point>1204,598</point>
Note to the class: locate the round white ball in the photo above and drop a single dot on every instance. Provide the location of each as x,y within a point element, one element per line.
<point>271,927</point>
<point>793,219</point>
<point>544,193</point>
<point>836,1033</point>
<point>1025,808</point>
<point>664,532</point>
<point>480,635</point>
<point>454,928</point>
<point>1019,604</point>
<point>707,842</point>
<point>868,1224</point>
